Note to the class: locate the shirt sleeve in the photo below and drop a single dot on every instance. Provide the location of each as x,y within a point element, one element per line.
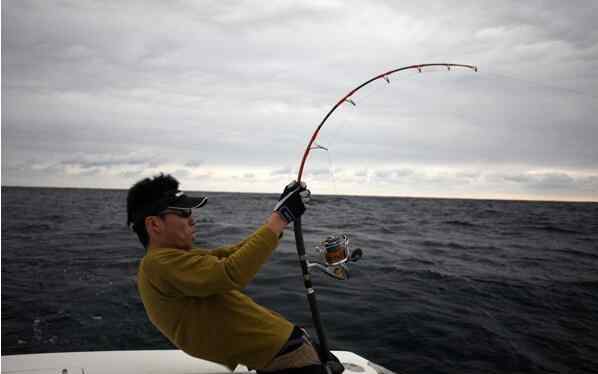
<point>198,274</point>
<point>226,251</point>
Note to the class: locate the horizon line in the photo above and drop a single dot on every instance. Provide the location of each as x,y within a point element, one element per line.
<point>337,194</point>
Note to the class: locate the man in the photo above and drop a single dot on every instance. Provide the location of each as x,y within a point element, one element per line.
<point>193,296</point>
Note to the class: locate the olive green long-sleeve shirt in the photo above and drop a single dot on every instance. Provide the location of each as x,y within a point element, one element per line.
<point>194,298</point>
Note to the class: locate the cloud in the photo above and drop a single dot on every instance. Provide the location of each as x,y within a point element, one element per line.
<point>383,174</point>
<point>404,172</point>
<point>589,184</point>
<point>361,173</point>
<point>282,171</point>
<point>181,173</point>
<point>554,181</point>
<point>316,172</point>
<point>548,181</point>
<point>517,178</point>
<point>110,92</point>
<point>87,160</point>
<point>193,164</point>
<point>131,174</point>
<point>77,170</point>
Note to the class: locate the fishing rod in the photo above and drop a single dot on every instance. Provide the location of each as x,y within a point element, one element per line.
<point>335,249</point>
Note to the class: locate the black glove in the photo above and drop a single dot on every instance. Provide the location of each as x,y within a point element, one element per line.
<point>290,204</point>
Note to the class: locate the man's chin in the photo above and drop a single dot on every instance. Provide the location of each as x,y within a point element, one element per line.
<point>185,246</point>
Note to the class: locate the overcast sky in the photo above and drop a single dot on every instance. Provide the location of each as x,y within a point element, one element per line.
<point>225,95</point>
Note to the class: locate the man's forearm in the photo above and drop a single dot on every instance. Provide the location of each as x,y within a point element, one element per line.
<point>275,223</point>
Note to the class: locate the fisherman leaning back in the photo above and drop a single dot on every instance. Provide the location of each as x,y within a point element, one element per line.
<point>193,296</point>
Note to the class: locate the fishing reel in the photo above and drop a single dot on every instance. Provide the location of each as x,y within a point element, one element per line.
<point>336,255</point>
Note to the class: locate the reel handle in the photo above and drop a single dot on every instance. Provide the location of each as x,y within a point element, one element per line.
<point>356,254</point>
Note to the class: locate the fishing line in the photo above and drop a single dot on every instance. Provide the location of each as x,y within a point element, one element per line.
<point>541,84</point>
<point>337,252</point>
<point>331,166</point>
<point>332,176</point>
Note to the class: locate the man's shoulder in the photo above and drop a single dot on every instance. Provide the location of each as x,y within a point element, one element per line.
<point>158,252</point>
<point>161,255</point>
<point>155,256</point>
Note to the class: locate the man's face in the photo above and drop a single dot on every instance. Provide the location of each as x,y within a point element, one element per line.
<point>178,229</point>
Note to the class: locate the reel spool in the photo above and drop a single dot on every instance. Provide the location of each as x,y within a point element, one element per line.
<point>335,249</point>
<point>336,254</point>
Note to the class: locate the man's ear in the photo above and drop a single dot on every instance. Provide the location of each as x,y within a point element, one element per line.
<point>153,224</point>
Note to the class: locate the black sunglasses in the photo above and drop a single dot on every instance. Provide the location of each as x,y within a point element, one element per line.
<point>181,212</point>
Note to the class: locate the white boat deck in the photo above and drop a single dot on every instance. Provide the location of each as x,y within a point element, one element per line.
<point>154,362</point>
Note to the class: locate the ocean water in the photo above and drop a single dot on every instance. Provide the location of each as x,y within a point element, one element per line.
<point>445,286</point>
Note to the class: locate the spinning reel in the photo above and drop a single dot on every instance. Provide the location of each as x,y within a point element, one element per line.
<point>336,255</point>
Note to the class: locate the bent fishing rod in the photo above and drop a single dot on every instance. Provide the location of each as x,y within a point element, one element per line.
<point>335,265</point>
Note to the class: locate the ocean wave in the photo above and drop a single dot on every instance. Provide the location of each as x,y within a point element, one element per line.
<point>592,284</point>
<point>460,223</point>
<point>442,244</point>
<point>555,229</point>
<point>574,253</point>
<point>32,228</point>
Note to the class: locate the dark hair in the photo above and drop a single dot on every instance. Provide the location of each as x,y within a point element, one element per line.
<point>142,201</point>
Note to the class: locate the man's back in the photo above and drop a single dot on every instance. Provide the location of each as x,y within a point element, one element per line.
<point>194,299</point>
